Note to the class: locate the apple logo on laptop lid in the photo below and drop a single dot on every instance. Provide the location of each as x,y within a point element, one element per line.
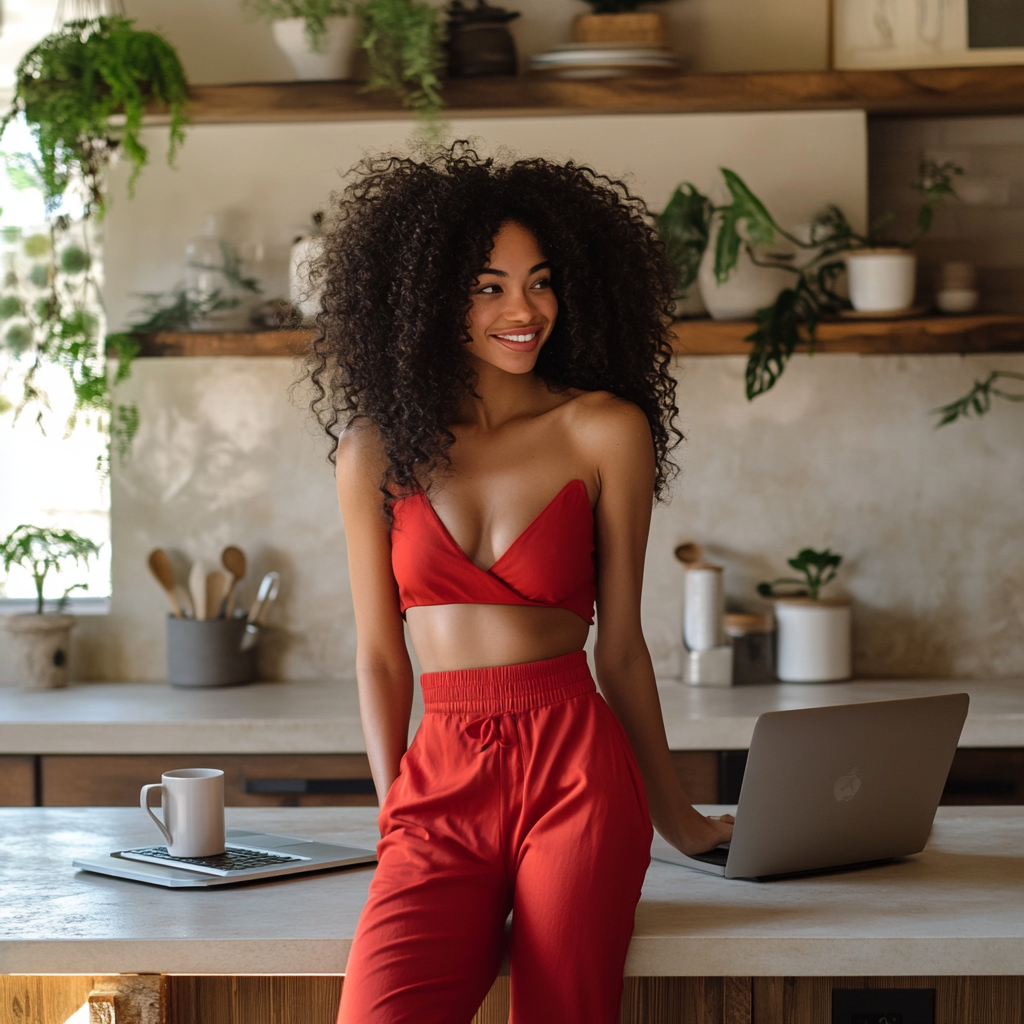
<point>846,786</point>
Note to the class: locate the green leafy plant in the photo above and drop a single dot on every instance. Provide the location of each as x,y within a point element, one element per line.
<point>744,225</point>
<point>403,40</point>
<point>817,568</point>
<point>40,550</point>
<point>313,12</point>
<point>978,400</point>
<point>71,85</point>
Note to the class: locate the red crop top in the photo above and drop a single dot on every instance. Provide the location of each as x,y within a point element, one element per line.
<point>549,565</point>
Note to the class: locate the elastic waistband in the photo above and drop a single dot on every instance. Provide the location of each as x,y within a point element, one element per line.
<point>490,691</point>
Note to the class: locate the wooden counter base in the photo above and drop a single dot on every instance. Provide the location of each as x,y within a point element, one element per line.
<point>314,1000</point>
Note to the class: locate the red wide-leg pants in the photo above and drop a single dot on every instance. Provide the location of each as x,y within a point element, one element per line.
<point>519,792</point>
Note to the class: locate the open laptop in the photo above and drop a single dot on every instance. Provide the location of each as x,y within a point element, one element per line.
<point>837,786</point>
<point>249,856</point>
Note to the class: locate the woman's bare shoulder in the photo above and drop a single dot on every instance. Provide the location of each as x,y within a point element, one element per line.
<point>599,419</point>
<point>359,457</point>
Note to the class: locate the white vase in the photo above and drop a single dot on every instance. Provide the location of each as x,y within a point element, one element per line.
<point>881,280</point>
<point>747,289</point>
<point>336,60</point>
<point>814,640</point>
<point>40,644</point>
<point>305,296</point>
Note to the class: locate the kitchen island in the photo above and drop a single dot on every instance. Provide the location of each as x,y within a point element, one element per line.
<point>301,742</point>
<point>705,949</point>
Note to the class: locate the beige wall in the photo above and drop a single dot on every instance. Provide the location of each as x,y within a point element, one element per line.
<point>217,44</point>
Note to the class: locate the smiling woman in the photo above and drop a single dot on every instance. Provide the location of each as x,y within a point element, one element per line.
<point>495,343</point>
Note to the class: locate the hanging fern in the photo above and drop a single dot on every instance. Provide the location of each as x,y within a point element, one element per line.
<point>71,85</point>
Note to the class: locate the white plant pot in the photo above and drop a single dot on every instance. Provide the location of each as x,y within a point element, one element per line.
<point>881,280</point>
<point>334,62</point>
<point>814,640</point>
<point>747,289</point>
<point>40,644</point>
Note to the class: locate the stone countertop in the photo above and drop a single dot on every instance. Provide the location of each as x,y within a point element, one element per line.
<point>322,716</point>
<point>955,909</point>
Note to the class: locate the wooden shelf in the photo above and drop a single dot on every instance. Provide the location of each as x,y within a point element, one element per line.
<point>932,335</point>
<point>916,91</point>
<point>928,335</point>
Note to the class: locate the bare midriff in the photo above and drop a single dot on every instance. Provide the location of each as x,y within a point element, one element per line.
<point>448,637</point>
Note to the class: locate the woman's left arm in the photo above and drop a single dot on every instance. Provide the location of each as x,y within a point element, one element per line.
<point>619,440</point>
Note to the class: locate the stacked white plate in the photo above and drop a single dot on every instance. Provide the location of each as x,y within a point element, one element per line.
<point>606,60</point>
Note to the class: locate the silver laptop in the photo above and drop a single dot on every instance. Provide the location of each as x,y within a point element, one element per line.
<point>249,856</point>
<point>837,786</point>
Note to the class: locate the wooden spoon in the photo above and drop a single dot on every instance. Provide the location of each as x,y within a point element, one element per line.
<point>197,588</point>
<point>216,591</point>
<point>233,559</point>
<point>689,553</point>
<point>162,570</point>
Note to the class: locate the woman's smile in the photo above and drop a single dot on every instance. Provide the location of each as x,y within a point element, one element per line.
<point>523,339</point>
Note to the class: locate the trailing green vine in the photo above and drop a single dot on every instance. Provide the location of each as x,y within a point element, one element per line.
<point>82,91</point>
<point>978,400</point>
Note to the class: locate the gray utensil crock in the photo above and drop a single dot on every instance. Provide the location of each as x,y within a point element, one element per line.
<point>208,653</point>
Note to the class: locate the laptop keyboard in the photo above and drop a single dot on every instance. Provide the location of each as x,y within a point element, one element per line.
<point>234,858</point>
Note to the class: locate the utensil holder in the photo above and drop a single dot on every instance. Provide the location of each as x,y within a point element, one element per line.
<point>208,653</point>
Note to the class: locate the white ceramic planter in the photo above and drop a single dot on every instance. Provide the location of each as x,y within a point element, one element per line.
<point>304,296</point>
<point>748,288</point>
<point>334,62</point>
<point>40,644</point>
<point>881,280</point>
<point>813,640</point>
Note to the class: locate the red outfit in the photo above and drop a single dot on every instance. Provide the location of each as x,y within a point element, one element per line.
<point>519,792</point>
<point>549,565</point>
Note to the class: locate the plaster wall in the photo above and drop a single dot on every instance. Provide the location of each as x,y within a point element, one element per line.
<point>222,455</point>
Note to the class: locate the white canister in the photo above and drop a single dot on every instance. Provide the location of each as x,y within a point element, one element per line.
<point>704,609</point>
<point>813,640</point>
<point>304,296</point>
<point>881,280</point>
<point>335,60</point>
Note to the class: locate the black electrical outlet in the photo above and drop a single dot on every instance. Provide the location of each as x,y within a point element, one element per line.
<point>883,1006</point>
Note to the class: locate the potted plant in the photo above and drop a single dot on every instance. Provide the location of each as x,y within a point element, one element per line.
<point>619,21</point>
<point>317,36</point>
<point>707,242</point>
<point>41,641</point>
<point>813,632</point>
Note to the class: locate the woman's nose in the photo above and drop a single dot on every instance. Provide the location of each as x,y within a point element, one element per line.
<point>518,306</point>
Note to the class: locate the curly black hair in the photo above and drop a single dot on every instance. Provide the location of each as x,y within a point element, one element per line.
<point>410,237</point>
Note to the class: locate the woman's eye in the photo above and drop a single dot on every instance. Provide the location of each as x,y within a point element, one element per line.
<point>489,289</point>
<point>543,283</point>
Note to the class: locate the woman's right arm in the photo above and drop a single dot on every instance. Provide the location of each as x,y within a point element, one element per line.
<point>383,668</point>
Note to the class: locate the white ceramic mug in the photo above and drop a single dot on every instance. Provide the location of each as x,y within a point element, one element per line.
<point>193,803</point>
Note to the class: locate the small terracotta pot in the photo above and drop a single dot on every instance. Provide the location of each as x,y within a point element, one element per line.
<point>41,644</point>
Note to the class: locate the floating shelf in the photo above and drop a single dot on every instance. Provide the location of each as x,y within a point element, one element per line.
<point>918,91</point>
<point>931,335</point>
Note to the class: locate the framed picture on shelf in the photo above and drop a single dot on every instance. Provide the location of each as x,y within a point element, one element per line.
<point>926,33</point>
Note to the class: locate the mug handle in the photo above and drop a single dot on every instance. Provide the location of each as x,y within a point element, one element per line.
<point>144,804</point>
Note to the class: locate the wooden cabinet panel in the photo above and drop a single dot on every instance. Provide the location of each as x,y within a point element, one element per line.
<point>250,780</point>
<point>17,781</point>
<point>698,771</point>
<point>987,776</point>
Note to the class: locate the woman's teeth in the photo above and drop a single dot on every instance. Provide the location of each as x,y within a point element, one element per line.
<point>519,337</point>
